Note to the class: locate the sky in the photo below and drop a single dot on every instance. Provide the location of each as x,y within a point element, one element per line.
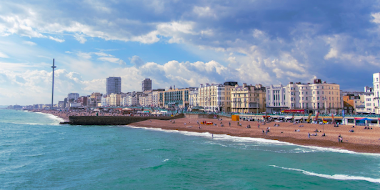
<point>183,43</point>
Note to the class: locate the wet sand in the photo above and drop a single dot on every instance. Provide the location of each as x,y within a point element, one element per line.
<point>361,140</point>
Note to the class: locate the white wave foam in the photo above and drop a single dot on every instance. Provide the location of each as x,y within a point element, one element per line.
<point>53,117</point>
<point>165,160</point>
<point>223,137</point>
<point>335,176</point>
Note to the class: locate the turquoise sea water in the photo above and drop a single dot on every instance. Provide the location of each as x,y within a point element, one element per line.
<point>38,153</point>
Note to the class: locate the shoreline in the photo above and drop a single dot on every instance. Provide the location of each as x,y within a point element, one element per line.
<point>360,141</point>
<point>362,146</point>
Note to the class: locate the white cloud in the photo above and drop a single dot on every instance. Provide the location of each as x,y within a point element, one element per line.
<point>3,55</point>
<point>112,60</point>
<point>333,53</point>
<point>102,54</point>
<point>84,55</point>
<point>204,12</point>
<point>80,38</point>
<point>137,61</point>
<point>56,39</point>
<point>376,18</point>
<point>29,43</point>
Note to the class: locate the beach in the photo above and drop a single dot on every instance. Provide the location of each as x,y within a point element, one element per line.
<point>361,140</point>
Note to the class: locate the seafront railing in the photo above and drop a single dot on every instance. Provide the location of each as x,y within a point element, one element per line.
<point>282,114</point>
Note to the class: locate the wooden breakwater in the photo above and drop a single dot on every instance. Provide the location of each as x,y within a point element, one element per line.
<point>114,120</point>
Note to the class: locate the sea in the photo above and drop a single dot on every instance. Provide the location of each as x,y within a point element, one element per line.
<point>36,152</point>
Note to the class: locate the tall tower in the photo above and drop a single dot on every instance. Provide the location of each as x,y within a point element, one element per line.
<point>52,88</point>
<point>113,85</point>
<point>146,84</point>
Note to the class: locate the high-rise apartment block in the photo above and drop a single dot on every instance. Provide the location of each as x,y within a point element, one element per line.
<point>113,85</point>
<point>146,84</point>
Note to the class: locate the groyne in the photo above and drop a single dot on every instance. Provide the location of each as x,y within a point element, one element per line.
<point>114,120</point>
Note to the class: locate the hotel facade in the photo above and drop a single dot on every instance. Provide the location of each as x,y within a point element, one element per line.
<point>311,97</point>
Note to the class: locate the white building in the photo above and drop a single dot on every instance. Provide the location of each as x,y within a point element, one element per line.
<point>318,96</point>
<point>376,93</point>
<point>105,101</point>
<point>72,97</point>
<point>370,102</point>
<point>193,98</point>
<point>215,97</point>
<point>158,97</point>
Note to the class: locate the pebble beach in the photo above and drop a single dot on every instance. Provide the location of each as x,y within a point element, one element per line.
<point>360,140</point>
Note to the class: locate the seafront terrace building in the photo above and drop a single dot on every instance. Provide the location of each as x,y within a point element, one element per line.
<point>315,97</point>
<point>114,99</point>
<point>194,98</point>
<point>215,97</point>
<point>176,98</point>
<point>248,99</point>
<point>158,97</point>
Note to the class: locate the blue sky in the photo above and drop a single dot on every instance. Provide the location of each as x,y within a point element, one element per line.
<point>183,43</point>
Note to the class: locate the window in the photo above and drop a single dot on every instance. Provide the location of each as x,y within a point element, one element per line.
<point>317,92</point>
<point>317,98</point>
<point>306,98</point>
<point>302,98</point>
<point>323,92</point>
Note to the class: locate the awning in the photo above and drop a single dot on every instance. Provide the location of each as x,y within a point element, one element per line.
<point>362,119</point>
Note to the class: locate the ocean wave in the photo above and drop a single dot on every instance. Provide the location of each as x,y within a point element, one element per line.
<point>335,176</point>
<point>21,123</point>
<point>53,117</point>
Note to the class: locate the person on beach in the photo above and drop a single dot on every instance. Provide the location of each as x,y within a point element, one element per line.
<point>308,134</point>
<point>258,125</point>
<point>229,123</point>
